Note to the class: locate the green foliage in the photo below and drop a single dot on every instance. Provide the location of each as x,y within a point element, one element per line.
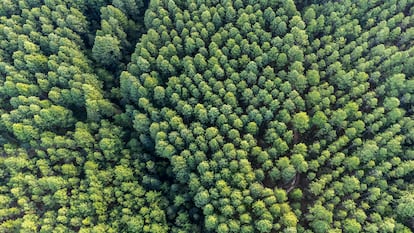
<point>300,122</point>
<point>206,116</point>
<point>405,208</point>
<point>106,50</point>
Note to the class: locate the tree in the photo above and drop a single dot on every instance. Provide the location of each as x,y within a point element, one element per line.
<point>404,208</point>
<point>264,225</point>
<point>320,218</point>
<point>351,226</point>
<point>300,122</point>
<point>295,54</point>
<point>211,222</point>
<point>106,50</point>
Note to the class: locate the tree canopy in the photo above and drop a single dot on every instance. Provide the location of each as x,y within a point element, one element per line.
<point>206,116</point>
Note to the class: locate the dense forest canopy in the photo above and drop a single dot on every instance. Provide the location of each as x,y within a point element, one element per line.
<point>207,116</point>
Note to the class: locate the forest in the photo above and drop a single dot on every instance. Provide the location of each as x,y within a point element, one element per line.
<point>226,116</point>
